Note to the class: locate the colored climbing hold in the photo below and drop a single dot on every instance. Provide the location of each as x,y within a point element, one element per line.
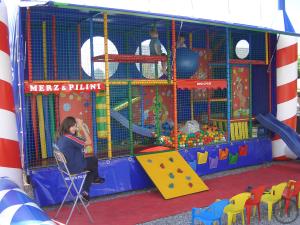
<point>149,160</point>
<point>188,178</point>
<point>171,159</point>
<point>179,170</point>
<point>162,166</point>
<point>190,185</point>
<point>171,186</point>
<point>171,175</point>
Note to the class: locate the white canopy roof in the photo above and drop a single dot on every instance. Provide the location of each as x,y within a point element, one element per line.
<point>274,15</point>
<point>281,16</point>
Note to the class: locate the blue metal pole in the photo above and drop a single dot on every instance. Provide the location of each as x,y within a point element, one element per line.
<point>94,124</point>
<point>19,70</point>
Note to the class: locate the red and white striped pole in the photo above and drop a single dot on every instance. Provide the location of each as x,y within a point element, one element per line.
<point>10,162</point>
<point>286,74</point>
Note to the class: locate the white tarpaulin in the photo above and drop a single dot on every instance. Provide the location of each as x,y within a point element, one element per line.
<point>261,14</point>
<point>276,15</point>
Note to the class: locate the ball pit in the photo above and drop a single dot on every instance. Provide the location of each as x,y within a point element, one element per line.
<point>207,135</point>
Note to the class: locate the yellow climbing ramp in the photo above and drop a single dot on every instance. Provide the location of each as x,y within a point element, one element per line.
<point>171,174</point>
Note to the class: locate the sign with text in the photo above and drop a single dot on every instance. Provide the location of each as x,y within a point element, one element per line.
<point>58,87</point>
<point>201,84</point>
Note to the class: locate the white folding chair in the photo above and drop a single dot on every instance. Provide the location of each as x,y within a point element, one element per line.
<point>62,167</point>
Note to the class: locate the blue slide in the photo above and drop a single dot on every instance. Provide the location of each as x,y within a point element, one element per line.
<point>287,134</point>
<point>135,128</point>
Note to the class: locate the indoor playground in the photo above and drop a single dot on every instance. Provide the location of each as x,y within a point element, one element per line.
<point>202,105</point>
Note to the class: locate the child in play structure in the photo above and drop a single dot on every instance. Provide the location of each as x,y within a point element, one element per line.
<point>72,147</point>
<point>155,49</point>
<point>181,42</point>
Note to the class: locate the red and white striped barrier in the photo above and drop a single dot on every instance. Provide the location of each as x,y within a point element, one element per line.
<point>286,74</point>
<point>10,162</point>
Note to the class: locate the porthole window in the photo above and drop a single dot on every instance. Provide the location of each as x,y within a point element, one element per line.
<point>242,49</point>
<point>148,69</point>
<point>99,67</point>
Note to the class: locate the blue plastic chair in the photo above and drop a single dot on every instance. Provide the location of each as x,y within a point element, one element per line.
<point>210,214</point>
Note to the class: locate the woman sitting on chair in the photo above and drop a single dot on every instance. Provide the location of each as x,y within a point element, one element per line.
<point>72,147</point>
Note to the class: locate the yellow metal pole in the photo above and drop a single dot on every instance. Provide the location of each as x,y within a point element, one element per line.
<point>267,47</point>
<point>39,97</point>
<point>141,82</point>
<point>109,145</point>
<point>174,85</point>
<point>191,40</point>
<point>192,91</point>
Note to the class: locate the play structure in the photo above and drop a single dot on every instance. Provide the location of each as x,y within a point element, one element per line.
<point>203,101</point>
<point>135,106</point>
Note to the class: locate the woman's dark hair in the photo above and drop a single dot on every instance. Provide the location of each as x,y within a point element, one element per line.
<point>65,126</point>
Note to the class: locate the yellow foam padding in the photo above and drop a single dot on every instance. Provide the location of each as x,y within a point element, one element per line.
<point>246,130</point>
<point>232,132</point>
<point>202,157</point>
<point>101,106</point>
<point>101,119</point>
<point>241,130</point>
<point>39,99</point>
<point>241,133</point>
<point>171,174</point>
<point>236,131</point>
<point>102,133</point>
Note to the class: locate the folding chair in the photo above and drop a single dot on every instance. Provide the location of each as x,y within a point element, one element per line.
<point>62,167</point>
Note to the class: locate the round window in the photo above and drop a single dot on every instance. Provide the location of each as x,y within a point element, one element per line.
<point>99,67</point>
<point>242,49</point>
<point>148,69</point>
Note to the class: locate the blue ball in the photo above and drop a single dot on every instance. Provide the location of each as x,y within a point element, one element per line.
<point>187,62</point>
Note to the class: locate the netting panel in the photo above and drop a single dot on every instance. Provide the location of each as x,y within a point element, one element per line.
<point>141,96</point>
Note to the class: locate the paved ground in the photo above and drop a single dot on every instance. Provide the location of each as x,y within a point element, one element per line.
<point>185,217</point>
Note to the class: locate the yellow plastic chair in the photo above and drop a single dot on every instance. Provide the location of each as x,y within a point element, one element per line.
<point>236,206</point>
<point>273,197</point>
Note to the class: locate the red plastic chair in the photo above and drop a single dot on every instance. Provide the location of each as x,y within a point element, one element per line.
<point>292,190</point>
<point>254,201</point>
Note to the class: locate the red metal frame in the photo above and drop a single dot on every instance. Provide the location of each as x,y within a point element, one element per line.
<point>131,58</point>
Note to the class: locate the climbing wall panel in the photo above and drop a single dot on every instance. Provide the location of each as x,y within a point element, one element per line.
<point>171,174</point>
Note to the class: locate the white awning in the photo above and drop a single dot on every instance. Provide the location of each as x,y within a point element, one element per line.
<point>280,16</point>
